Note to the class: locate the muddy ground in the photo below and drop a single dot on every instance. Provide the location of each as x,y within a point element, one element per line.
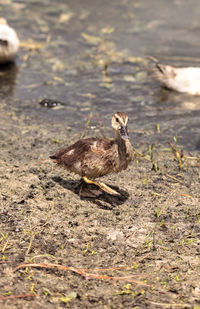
<point>152,230</point>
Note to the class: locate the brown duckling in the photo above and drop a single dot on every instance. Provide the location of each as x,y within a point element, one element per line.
<point>94,157</point>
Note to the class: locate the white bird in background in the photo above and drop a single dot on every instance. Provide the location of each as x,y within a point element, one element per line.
<point>180,79</point>
<point>9,42</point>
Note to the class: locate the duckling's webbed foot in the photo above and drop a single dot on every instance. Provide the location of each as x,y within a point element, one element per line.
<point>101,185</point>
<point>89,190</point>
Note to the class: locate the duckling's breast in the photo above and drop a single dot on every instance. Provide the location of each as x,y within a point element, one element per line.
<point>125,154</point>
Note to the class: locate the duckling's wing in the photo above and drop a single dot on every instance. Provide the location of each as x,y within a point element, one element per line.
<point>101,159</point>
<point>74,152</point>
<point>89,157</point>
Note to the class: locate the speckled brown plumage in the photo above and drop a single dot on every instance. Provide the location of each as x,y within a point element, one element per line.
<point>86,160</point>
<point>94,157</point>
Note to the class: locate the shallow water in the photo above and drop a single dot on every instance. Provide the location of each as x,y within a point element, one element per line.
<point>74,42</point>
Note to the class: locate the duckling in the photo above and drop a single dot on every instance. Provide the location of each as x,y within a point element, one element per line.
<point>180,79</point>
<point>9,42</point>
<point>93,157</point>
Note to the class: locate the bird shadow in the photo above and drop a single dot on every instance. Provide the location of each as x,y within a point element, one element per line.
<point>104,201</point>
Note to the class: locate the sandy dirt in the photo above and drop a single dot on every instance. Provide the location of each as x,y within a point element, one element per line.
<point>151,233</point>
<point>139,250</point>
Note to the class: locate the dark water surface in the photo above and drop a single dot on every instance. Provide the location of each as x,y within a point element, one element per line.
<point>69,46</point>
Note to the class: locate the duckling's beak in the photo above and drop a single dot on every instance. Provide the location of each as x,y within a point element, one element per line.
<point>124,132</point>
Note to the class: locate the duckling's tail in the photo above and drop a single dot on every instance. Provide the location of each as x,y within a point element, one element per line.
<point>53,157</point>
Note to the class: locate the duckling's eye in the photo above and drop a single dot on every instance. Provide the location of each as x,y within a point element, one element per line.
<point>117,120</point>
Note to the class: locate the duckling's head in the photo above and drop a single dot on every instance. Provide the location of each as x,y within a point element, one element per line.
<point>119,124</point>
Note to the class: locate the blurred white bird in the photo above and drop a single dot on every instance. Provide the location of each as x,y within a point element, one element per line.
<point>179,79</point>
<point>9,42</point>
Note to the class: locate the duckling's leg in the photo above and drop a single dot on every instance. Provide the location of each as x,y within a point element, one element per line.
<point>85,191</point>
<point>101,185</point>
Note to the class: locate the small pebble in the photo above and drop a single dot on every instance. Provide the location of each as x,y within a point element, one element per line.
<point>50,103</point>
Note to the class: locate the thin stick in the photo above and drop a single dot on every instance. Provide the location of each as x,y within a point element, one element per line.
<point>174,178</point>
<point>168,305</point>
<point>193,158</point>
<point>30,243</point>
<point>18,296</point>
<point>141,155</point>
<point>52,265</point>
<point>104,277</point>
<point>182,194</point>
<point>82,273</point>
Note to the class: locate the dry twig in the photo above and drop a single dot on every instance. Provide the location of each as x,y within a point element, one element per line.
<point>86,272</point>
<point>18,296</point>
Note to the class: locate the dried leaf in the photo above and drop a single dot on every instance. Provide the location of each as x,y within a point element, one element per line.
<point>135,59</point>
<point>58,79</point>
<point>30,44</point>
<point>64,18</point>
<point>69,297</point>
<point>89,95</point>
<point>91,39</point>
<point>141,76</point>
<point>107,30</point>
<point>129,78</point>
<point>58,66</point>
